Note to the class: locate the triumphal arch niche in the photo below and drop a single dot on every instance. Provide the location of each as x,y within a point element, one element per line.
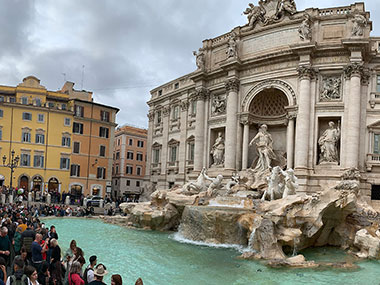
<point>303,85</point>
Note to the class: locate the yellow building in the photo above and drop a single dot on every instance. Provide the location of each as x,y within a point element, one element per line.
<point>37,125</point>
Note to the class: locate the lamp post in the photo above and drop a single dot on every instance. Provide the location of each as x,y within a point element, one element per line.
<point>12,164</point>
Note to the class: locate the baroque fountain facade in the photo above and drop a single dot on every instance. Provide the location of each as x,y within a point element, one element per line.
<point>273,142</point>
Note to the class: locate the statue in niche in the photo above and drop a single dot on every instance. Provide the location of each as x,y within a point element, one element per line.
<point>304,29</point>
<point>285,5</point>
<point>217,151</point>
<point>218,105</point>
<point>199,59</point>
<point>254,14</point>
<point>359,23</point>
<point>264,146</point>
<point>328,144</point>
<point>232,46</point>
<point>330,89</point>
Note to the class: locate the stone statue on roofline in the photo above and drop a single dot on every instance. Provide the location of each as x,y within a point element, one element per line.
<point>199,59</point>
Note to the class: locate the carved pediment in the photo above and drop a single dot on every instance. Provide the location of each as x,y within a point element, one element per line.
<point>374,126</point>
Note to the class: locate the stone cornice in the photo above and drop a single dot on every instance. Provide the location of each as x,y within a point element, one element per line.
<point>232,84</point>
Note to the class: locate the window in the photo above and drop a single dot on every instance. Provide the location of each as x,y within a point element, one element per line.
<point>140,143</point>
<point>378,84</point>
<point>137,183</point>
<point>130,155</point>
<point>66,141</point>
<point>117,169</point>
<point>40,138</point>
<point>128,182</point>
<point>101,173</point>
<point>139,170</point>
<point>175,112</point>
<point>158,117</point>
<point>1,113</point>
<point>65,163</point>
<point>27,116</point>
<point>139,156</point>
<point>79,111</point>
<point>67,121</point>
<point>25,159</point>
<point>118,142</point>
<point>77,128</point>
<point>376,143</point>
<point>1,134</point>
<point>38,161</point>
<point>2,99</point>
<point>176,85</point>
<point>102,150</point>
<point>117,155</point>
<point>193,107</point>
<point>40,118</point>
<point>104,116</point>
<point>51,105</point>
<point>191,151</point>
<point>173,153</point>
<point>63,106</point>
<point>76,147</point>
<point>159,92</point>
<point>115,182</point>
<point>103,132</point>
<point>130,142</point>
<point>129,169</point>
<point>24,100</point>
<point>156,155</point>
<point>25,136</point>
<point>75,170</point>
<point>37,102</point>
<point>12,100</point>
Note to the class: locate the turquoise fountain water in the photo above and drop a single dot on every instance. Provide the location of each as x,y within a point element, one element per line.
<point>161,258</point>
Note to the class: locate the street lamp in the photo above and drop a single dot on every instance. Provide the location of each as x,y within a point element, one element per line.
<point>12,164</point>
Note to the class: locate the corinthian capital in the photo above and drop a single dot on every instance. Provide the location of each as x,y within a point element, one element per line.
<point>306,72</point>
<point>353,69</point>
<point>232,84</point>
<point>202,93</point>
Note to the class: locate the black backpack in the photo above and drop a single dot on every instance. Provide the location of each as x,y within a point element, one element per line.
<point>85,274</point>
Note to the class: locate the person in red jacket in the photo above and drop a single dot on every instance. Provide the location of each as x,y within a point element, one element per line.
<point>74,275</point>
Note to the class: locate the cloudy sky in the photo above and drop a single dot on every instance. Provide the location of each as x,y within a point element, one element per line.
<point>127,47</point>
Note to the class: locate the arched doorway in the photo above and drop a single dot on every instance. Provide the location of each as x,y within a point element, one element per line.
<point>268,107</point>
<point>53,185</point>
<point>37,183</point>
<point>24,183</point>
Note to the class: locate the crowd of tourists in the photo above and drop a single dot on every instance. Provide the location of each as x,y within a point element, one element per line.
<point>30,253</point>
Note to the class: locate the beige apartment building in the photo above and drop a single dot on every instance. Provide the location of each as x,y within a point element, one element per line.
<point>129,159</point>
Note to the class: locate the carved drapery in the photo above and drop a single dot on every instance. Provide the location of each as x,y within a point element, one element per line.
<point>218,106</point>
<point>330,88</point>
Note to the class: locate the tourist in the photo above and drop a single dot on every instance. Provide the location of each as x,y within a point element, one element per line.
<point>22,225</point>
<point>3,271</point>
<point>18,267</point>
<point>44,274</point>
<point>99,272</point>
<point>74,275</point>
<point>88,274</point>
<point>37,251</point>
<point>27,238</point>
<point>23,255</point>
<point>79,256</point>
<point>5,245</point>
<point>17,240</point>
<point>116,279</point>
<point>55,261</point>
<point>32,275</point>
<point>139,282</point>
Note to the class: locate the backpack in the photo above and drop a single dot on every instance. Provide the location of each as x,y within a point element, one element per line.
<point>14,281</point>
<point>85,274</point>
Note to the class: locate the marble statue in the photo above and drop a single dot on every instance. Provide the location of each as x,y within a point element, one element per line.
<point>280,184</point>
<point>286,5</point>
<point>232,46</point>
<point>215,185</point>
<point>328,144</point>
<point>235,180</point>
<point>330,89</point>
<point>217,151</point>
<point>350,180</point>
<point>254,14</point>
<point>199,59</point>
<point>194,187</point>
<point>359,23</point>
<point>264,146</point>
<point>304,29</point>
<point>218,106</point>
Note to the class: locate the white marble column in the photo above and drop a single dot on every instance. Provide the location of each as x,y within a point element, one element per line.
<point>290,143</point>
<point>232,86</point>
<point>239,143</point>
<point>148,147</point>
<point>201,94</point>
<point>165,136</point>
<point>303,117</point>
<point>245,145</point>
<point>353,71</point>
<point>183,139</point>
